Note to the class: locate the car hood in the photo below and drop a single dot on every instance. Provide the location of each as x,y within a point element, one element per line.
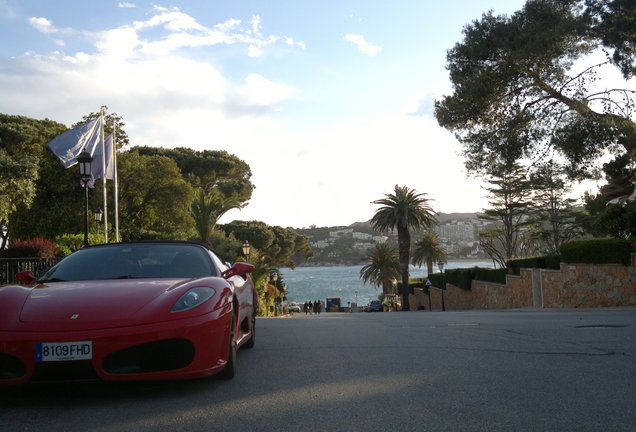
<point>87,305</point>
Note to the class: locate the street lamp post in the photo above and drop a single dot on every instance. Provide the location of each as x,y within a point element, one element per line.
<point>85,159</point>
<point>5,230</point>
<point>440,265</point>
<point>247,247</point>
<point>275,279</point>
<point>97,215</point>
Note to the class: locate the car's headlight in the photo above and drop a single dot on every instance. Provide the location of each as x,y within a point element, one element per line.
<point>193,298</point>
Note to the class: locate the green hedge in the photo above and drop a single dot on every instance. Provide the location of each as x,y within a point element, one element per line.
<point>547,262</point>
<point>606,251</point>
<point>437,280</point>
<point>413,283</point>
<point>461,277</point>
<point>490,275</point>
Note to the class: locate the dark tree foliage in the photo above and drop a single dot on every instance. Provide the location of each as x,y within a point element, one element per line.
<point>509,207</point>
<point>275,244</point>
<point>614,23</point>
<point>154,198</point>
<point>58,205</point>
<point>210,169</point>
<point>617,219</point>
<point>517,95</point>
<point>22,153</point>
<point>554,215</point>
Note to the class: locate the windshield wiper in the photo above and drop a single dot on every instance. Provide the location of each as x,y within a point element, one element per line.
<point>50,280</point>
<point>126,277</point>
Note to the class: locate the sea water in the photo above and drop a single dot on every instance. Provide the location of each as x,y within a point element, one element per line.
<point>318,283</point>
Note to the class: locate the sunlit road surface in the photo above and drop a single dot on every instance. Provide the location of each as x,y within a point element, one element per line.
<point>525,370</point>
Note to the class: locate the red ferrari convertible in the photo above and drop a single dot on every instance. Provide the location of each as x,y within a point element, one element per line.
<point>128,311</point>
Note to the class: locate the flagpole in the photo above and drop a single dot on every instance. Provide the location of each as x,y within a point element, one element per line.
<point>115,182</point>
<point>101,113</point>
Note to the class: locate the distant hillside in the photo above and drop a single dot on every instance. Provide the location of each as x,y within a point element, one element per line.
<point>441,218</point>
<point>348,245</point>
<point>444,217</point>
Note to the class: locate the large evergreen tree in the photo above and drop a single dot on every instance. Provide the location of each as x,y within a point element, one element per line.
<point>553,214</point>
<point>509,209</point>
<point>154,198</point>
<point>526,86</point>
<point>210,169</point>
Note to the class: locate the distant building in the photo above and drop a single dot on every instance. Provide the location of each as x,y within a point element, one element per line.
<point>341,233</point>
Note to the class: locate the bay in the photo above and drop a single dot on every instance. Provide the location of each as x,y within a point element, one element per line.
<point>318,283</point>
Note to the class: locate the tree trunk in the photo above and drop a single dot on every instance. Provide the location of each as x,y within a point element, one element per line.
<point>404,243</point>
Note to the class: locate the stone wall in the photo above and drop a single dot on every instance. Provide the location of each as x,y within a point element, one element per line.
<point>587,285</point>
<point>575,285</point>
<point>515,293</point>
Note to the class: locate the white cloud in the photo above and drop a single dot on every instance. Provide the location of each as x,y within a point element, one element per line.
<point>363,46</point>
<point>173,20</point>
<point>254,51</point>
<point>126,5</point>
<point>42,24</point>
<point>45,26</point>
<point>160,94</point>
<point>291,41</point>
<point>259,91</point>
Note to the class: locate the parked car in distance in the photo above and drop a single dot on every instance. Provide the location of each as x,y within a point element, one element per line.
<point>294,307</point>
<point>375,306</point>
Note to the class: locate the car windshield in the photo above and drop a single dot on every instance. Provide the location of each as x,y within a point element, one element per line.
<point>127,261</point>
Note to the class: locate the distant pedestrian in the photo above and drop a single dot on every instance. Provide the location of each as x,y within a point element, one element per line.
<point>316,306</point>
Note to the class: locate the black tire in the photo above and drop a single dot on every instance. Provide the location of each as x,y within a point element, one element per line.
<point>252,340</point>
<point>230,367</point>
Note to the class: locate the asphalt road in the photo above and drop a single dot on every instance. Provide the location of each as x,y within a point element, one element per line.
<point>419,371</point>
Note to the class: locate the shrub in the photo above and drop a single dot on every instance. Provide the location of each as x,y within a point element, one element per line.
<point>606,251</point>
<point>437,279</point>
<point>69,243</point>
<point>491,275</point>
<point>38,247</point>
<point>460,277</point>
<point>547,261</point>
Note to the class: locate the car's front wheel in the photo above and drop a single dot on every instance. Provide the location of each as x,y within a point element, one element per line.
<point>252,340</point>
<point>230,367</point>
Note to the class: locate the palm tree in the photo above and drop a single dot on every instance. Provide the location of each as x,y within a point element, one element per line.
<point>404,210</point>
<point>207,208</point>
<point>428,251</point>
<point>383,267</point>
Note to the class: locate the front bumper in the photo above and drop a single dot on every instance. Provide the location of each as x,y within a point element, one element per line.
<point>186,348</point>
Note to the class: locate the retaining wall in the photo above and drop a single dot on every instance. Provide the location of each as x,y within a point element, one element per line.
<point>574,285</point>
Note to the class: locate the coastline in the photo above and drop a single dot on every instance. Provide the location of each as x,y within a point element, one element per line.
<point>339,264</point>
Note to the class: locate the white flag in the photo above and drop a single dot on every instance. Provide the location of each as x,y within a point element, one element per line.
<point>97,170</point>
<point>71,143</point>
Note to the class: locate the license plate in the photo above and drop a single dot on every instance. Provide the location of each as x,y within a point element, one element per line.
<point>63,351</point>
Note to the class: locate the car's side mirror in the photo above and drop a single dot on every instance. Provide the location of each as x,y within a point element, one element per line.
<point>239,268</point>
<point>25,277</point>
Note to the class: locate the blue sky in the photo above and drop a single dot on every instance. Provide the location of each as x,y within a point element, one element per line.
<point>329,102</point>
